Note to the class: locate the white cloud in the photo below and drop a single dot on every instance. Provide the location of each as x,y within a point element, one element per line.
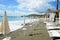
<point>11,7</point>
<point>1,12</point>
<point>2,6</point>
<point>15,13</point>
<point>18,13</point>
<point>33,4</point>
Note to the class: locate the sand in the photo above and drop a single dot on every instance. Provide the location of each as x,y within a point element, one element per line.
<point>35,32</point>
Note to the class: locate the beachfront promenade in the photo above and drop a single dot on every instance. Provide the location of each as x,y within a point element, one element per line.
<point>35,31</point>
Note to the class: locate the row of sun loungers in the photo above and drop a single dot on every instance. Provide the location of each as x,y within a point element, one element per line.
<point>53,30</point>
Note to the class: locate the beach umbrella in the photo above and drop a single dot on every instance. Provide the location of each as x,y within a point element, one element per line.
<point>5,26</point>
<point>23,20</point>
<point>0,30</point>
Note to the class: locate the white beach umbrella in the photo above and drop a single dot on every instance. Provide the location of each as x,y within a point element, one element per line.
<point>23,20</point>
<point>1,30</point>
<point>5,26</point>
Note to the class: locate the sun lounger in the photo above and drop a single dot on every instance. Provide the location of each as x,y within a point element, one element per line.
<point>53,28</point>
<point>55,34</point>
<point>7,38</point>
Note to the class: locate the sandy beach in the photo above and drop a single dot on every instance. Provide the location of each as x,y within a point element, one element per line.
<point>15,25</point>
<point>35,32</point>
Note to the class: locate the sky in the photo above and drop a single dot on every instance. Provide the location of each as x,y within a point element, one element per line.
<point>25,7</point>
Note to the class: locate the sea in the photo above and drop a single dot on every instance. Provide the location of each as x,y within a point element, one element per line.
<point>15,22</point>
<point>13,18</point>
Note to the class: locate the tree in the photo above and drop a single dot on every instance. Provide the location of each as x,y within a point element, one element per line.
<point>49,10</point>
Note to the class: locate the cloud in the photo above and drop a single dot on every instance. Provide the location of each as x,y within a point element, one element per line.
<point>32,5</point>
<point>16,13</point>
<point>13,13</point>
<point>27,7</point>
<point>2,7</point>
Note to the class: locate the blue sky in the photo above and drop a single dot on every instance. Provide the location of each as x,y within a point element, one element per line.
<point>54,4</point>
<point>21,7</point>
<point>8,2</point>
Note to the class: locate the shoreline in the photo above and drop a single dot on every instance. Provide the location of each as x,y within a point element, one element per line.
<point>14,25</point>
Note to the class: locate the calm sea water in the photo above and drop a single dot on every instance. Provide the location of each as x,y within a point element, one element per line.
<point>13,18</point>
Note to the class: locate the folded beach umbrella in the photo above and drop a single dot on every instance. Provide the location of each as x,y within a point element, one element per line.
<point>0,30</point>
<point>5,26</point>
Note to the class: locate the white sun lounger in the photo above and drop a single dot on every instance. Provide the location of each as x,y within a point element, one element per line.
<point>54,33</point>
<point>1,33</point>
<point>7,38</point>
